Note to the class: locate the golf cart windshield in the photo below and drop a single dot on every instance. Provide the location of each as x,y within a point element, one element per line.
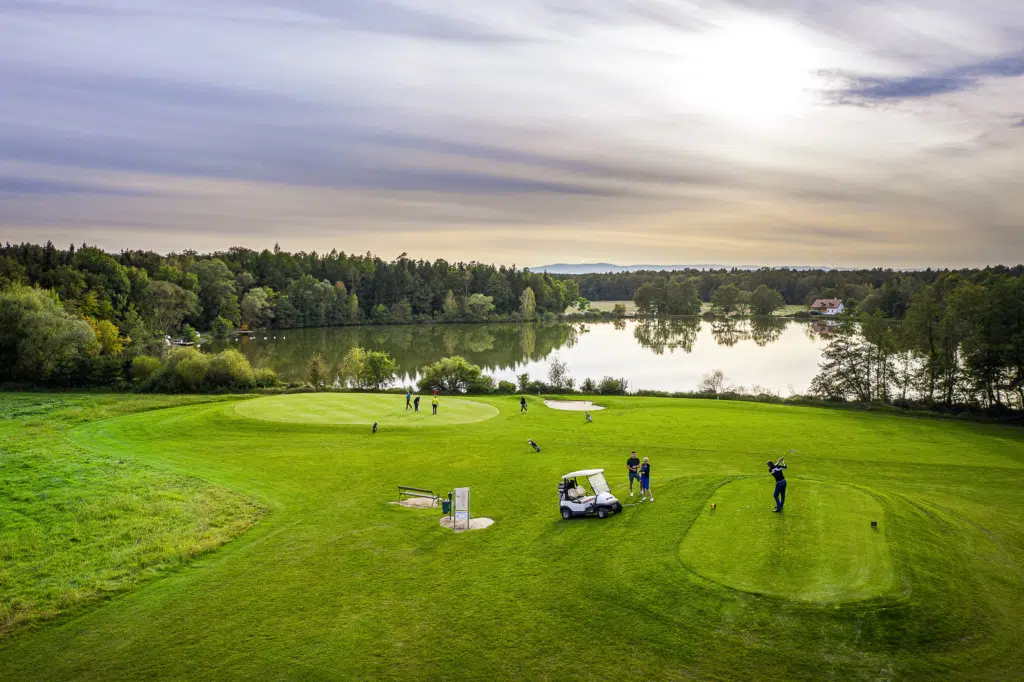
<point>598,483</point>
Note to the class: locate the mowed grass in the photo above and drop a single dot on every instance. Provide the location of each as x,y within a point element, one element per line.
<point>822,549</point>
<point>361,408</point>
<point>335,583</point>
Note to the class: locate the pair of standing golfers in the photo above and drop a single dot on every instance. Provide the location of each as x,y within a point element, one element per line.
<point>641,472</point>
<point>415,404</point>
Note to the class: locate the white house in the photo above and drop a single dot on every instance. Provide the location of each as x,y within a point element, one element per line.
<point>828,306</point>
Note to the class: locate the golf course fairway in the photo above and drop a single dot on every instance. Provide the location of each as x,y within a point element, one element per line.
<point>281,557</point>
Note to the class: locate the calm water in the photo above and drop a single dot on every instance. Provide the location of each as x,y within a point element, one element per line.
<point>670,355</point>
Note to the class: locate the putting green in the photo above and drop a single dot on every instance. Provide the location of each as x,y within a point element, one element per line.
<point>363,408</point>
<point>822,548</point>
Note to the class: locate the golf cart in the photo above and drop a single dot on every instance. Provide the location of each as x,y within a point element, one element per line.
<point>575,500</point>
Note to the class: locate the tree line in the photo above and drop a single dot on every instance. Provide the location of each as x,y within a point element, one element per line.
<point>879,289</point>
<point>957,341</point>
<point>144,293</point>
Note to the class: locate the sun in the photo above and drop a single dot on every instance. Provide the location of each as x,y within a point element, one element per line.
<point>750,70</point>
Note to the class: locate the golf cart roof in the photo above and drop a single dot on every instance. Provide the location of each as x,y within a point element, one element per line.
<point>584,472</point>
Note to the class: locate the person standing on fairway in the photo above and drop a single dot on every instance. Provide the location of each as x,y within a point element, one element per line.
<point>416,403</point>
<point>408,399</point>
<point>633,464</point>
<point>775,469</point>
<point>434,403</point>
<point>645,481</point>
<point>522,404</point>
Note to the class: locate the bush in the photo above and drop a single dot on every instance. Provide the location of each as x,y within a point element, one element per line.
<point>613,386</point>
<point>264,378</point>
<point>537,386</point>
<point>482,384</point>
<point>221,328</point>
<point>453,375</point>
<point>229,370</point>
<point>506,387</point>
<point>143,367</point>
<point>190,372</point>
<point>588,386</point>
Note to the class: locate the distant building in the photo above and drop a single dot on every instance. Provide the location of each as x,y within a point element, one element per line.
<point>828,306</point>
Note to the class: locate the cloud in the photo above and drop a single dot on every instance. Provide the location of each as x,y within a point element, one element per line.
<point>629,129</point>
<point>875,89</point>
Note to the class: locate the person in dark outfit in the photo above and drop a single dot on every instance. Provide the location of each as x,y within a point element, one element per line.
<point>522,404</point>
<point>775,469</point>
<point>416,403</point>
<point>633,465</point>
<point>375,427</point>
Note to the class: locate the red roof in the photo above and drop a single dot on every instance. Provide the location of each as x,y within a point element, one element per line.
<point>827,303</point>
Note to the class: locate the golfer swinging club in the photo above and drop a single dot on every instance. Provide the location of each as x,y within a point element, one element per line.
<point>775,469</point>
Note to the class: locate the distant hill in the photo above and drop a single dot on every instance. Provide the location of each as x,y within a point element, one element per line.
<point>588,268</point>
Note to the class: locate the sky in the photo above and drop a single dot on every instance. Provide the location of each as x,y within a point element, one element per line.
<point>855,133</point>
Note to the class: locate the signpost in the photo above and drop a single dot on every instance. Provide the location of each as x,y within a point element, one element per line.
<point>461,508</point>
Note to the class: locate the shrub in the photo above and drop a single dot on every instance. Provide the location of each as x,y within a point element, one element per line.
<point>482,384</point>
<point>221,328</point>
<point>613,386</point>
<point>506,387</point>
<point>189,333</point>
<point>230,370</point>
<point>454,375</point>
<point>264,378</point>
<point>190,373</point>
<point>367,369</point>
<point>588,385</point>
<point>537,386</point>
<point>143,367</point>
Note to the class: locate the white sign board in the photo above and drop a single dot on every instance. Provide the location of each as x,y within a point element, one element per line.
<point>462,506</point>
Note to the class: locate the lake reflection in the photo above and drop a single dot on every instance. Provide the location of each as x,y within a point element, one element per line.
<point>671,355</point>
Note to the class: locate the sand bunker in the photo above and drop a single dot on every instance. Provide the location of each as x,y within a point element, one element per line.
<point>417,503</point>
<point>573,405</point>
<point>478,523</point>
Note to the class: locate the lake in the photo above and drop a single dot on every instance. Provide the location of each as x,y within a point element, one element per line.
<point>671,355</point>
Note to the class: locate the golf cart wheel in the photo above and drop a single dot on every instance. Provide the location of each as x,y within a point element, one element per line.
<point>602,513</point>
<point>618,507</point>
<point>566,513</point>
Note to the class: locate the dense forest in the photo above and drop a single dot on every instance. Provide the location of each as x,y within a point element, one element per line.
<point>149,293</point>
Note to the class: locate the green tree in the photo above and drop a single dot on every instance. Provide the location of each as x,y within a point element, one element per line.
<point>528,304</point>
<point>453,375</point>
<point>216,291</point>
<point>221,328</point>
<point>479,307</point>
<point>317,371</point>
<point>725,299</point>
<point>682,298</point>
<point>189,333</point>
<point>164,306</point>
<point>257,308</point>
<point>451,307</point>
<point>39,340</point>
<point>378,370</point>
<point>765,301</point>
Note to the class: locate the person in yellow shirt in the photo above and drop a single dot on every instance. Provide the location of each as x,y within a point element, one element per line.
<point>434,403</point>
